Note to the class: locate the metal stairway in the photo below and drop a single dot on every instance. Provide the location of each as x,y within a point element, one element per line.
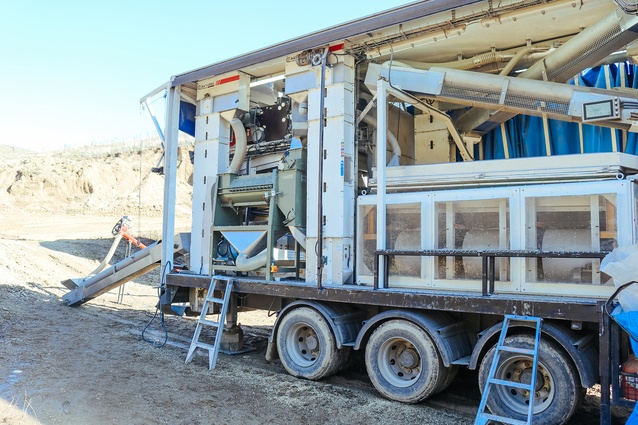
<point>213,349</point>
<point>483,417</point>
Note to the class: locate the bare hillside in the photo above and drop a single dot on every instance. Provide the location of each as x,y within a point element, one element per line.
<point>107,179</point>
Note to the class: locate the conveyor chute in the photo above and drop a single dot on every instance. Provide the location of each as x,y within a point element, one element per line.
<point>83,290</point>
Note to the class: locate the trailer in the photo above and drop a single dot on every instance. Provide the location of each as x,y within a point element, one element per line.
<point>399,183</point>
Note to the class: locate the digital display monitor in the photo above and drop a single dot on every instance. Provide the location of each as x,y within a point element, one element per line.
<point>598,110</point>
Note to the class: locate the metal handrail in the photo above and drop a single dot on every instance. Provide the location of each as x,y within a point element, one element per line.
<point>488,260</point>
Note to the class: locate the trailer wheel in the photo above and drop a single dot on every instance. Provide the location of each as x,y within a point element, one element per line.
<point>403,363</point>
<point>558,391</point>
<point>307,348</point>
<point>448,376</point>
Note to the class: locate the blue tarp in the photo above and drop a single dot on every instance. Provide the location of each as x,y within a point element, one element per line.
<point>525,135</point>
<point>187,118</point>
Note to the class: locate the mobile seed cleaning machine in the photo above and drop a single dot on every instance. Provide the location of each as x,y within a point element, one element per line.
<point>399,183</point>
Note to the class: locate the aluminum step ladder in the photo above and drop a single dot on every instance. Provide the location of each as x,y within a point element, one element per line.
<point>483,417</point>
<point>213,349</point>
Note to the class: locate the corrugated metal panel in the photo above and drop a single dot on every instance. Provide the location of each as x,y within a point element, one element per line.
<point>370,23</point>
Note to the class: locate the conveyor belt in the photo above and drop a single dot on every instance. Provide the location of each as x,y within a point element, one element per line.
<point>83,290</point>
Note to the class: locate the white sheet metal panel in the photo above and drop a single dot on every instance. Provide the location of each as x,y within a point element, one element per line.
<point>511,171</point>
<point>211,159</point>
<point>338,184</point>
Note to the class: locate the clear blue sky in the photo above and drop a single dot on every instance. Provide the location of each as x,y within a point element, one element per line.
<point>72,72</point>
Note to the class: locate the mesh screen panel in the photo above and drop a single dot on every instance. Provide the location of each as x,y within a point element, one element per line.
<point>514,100</point>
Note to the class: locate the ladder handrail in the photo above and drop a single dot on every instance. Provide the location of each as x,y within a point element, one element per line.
<point>213,349</point>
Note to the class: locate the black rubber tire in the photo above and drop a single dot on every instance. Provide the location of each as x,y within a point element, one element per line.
<point>450,376</point>
<point>558,386</point>
<point>306,345</point>
<point>403,363</point>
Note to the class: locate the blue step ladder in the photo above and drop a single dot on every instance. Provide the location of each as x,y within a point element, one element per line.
<point>483,417</point>
<point>213,349</point>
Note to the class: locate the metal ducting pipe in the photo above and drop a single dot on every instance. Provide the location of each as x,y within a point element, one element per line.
<point>584,50</point>
<point>478,61</point>
<point>516,59</point>
<point>469,63</point>
<point>247,264</point>
<point>299,235</point>
<point>392,140</point>
<point>241,146</point>
<point>629,7</point>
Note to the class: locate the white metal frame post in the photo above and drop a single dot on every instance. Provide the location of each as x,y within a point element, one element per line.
<point>335,217</point>
<point>170,176</point>
<point>382,107</point>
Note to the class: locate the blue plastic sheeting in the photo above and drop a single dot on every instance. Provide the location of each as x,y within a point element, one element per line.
<point>187,118</point>
<point>526,138</point>
<point>628,321</point>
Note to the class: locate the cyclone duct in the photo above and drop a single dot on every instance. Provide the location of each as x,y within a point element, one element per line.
<point>584,50</point>
<point>513,95</point>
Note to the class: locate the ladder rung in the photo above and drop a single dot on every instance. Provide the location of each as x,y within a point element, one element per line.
<point>213,349</point>
<point>513,384</point>
<point>515,318</point>
<point>503,419</point>
<point>215,300</point>
<point>208,322</point>
<point>517,350</point>
<point>204,345</point>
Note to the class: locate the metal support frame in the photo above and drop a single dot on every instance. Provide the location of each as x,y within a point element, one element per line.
<point>270,244</point>
<point>404,96</point>
<point>382,106</point>
<point>170,177</point>
<point>604,324</point>
<point>154,118</point>
<point>562,308</point>
<point>322,125</point>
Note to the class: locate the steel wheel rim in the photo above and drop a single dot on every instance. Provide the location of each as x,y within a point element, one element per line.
<point>399,362</point>
<point>303,345</point>
<point>519,369</point>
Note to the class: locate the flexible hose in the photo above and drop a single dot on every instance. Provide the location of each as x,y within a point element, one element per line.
<point>516,59</point>
<point>245,264</point>
<point>108,257</point>
<point>241,146</point>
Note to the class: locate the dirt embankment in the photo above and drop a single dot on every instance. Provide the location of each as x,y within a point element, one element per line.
<point>89,181</point>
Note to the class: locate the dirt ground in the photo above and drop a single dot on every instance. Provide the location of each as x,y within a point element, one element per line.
<point>90,364</point>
